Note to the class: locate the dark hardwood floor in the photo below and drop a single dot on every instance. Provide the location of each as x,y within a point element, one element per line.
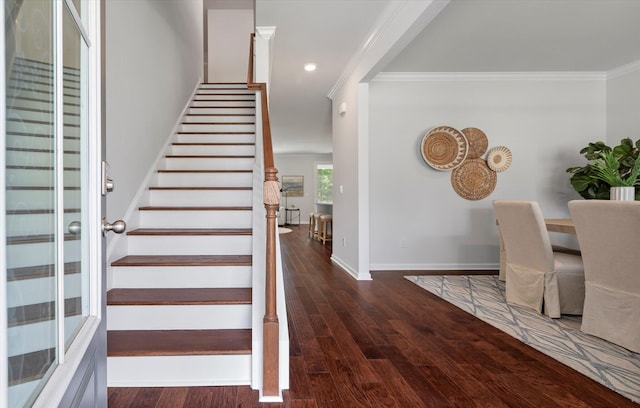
<point>388,343</point>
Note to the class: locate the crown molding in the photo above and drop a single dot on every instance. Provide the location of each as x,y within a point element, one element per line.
<point>623,70</point>
<point>385,20</point>
<point>399,13</point>
<point>488,76</point>
<point>266,32</point>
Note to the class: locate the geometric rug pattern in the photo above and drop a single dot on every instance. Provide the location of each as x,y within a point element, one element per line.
<point>484,297</point>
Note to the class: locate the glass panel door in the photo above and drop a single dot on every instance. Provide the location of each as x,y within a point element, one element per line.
<point>46,191</point>
<point>30,198</point>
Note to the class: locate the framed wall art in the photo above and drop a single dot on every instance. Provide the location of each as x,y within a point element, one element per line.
<point>293,186</point>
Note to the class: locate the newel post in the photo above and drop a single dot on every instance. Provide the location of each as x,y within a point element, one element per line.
<point>271,331</point>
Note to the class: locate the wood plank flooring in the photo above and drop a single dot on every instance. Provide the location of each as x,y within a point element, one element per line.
<point>388,343</point>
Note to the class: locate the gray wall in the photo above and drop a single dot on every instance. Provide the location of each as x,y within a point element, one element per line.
<point>154,54</point>
<point>417,220</point>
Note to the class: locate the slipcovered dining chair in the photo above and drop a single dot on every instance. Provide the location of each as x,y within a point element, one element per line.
<point>536,276</point>
<point>609,238</point>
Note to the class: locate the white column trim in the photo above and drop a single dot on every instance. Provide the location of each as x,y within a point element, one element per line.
<point>363,182</point>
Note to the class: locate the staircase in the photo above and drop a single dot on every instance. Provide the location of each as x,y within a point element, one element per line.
<point>180,310</point>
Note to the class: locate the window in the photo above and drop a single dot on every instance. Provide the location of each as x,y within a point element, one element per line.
<point>324,183</point>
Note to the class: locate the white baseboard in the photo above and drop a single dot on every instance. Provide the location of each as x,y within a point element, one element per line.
<point>349,270</point>
<point>434,267</point>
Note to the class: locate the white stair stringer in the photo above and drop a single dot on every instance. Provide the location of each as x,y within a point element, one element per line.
<point>199,205</point>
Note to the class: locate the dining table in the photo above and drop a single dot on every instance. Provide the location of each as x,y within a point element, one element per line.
<point>563,225</point>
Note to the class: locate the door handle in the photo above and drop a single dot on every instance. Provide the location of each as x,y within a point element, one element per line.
<point>118,226</point>
<point>75,227</point>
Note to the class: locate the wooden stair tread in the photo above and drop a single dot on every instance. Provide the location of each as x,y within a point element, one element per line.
<point>164,208</point>
<point>40,271</point>
<point>209,156</point>
<point>200,188</point>
<point>191,231</point>
<point>121,343</point>
<point>216,133</point>
<point>214,144</point>
<point>184,260</point>
<point>218,123</point>
<point>179,296</point>
<point>205,171</point>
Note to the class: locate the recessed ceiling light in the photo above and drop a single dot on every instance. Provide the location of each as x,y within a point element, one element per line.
<point>310,67</point>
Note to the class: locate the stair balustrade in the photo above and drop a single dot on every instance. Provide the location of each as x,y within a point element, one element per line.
<point>271,195</point>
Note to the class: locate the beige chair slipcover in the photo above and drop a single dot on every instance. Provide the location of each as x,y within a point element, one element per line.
<point>609,238</point>
<point>535,274</point>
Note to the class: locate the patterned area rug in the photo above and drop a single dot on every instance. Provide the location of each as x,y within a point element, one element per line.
<point>483,296</point>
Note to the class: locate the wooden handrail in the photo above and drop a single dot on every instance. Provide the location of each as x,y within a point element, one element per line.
<point>271,196</point>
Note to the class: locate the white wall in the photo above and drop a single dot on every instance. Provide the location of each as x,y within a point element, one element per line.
<point>346,243</point>
<point>301,165</point>
<point>623,107</point>
<point>417,220</point>
<point>153,62</point>
<point>228,39</point>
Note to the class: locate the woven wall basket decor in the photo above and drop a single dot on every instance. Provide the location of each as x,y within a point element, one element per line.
<point>478,142</point>
<point>499,158</point>
<point>473,179</point>
<point>444,148</point>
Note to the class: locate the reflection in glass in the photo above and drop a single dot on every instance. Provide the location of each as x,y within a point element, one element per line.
<point>30,198</point>
<point>75,160</point>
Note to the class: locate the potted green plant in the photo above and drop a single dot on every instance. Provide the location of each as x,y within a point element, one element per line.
<point>608,167</point>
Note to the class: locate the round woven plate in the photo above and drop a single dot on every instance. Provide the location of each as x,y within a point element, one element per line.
<point>499,158</point>
<point>473,180</point>
<point>478,142</point>
<point>444,148</point>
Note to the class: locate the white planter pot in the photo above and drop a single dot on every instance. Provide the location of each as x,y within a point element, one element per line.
<point>622,193</point>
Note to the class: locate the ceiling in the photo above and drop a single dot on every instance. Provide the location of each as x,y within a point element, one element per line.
<point>467,36</point>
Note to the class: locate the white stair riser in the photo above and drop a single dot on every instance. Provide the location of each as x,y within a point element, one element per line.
<point>223,85</point>
<point>178,371</point>
<point>39,85</point>
<point>195,219</point>
<point>227,89</point>
<point>214,104</point>
<point>40,178</point>
<point>18,103</point>
<point>204,179</point>
<point>224,150</point>
<point>226,96</point>
<point>218,118</point>
<point>217,138</point>
<point>37,199</point>
<point>35,224</point>
<point>189,163</point>
<point>25,114</point>
<point>41,290</point>
<point>205,91</point>
<point>23,255</point>
<point>181,276</point>
<point>18,158</point>
<point>222,111</point>
<point>189,245</point>
<point>25,93</point>
<point>40,128</point>
<point>22,67</point>
<point>37,336</point>
<point>226,127</point>
<point>203,198</point>
<point>173,317</point>
<point>36,142</point>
